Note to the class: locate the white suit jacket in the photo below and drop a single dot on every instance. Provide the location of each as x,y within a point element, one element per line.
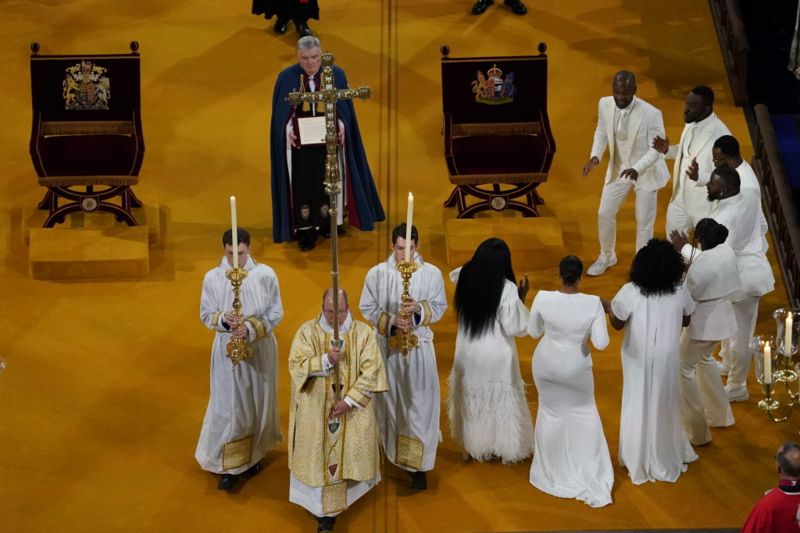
<point>644,123</point>
<point>707,131</point>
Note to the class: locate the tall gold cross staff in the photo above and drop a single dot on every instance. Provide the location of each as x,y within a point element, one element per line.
<point>329,95</point>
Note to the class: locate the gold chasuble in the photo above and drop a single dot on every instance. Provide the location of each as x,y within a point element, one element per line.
<point>323,452</point>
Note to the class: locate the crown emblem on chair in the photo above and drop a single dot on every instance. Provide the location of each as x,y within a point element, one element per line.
<point>494,72</point>
<point>86,87</point>
<point>492,88</point>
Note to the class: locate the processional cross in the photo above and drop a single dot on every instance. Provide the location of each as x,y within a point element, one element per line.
<point>329,95</point>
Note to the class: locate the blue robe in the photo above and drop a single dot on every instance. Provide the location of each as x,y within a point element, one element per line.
<point>363,204</point>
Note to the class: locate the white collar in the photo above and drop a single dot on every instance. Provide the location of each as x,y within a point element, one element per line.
<point>704,122</point>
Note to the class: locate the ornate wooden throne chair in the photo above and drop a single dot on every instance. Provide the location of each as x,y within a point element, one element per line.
<point>497,140</point>
<point>86,140</point>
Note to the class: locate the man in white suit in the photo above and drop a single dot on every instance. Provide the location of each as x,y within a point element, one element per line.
<point>693,160</point>
<point>627,125</point>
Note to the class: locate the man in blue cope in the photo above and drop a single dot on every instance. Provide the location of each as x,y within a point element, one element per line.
<point>299,202</point>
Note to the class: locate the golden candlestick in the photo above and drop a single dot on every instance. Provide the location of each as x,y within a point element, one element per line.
<point>780,374</point>
<point>404,340</point>
<point>237,349</point>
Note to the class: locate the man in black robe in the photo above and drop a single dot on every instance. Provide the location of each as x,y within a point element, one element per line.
<point>299,203</point>
<point>298,11</point>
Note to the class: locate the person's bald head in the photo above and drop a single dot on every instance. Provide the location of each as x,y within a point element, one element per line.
<point>327,306</point>
<point>788,459</point>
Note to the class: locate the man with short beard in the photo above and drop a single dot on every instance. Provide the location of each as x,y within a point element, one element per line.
<point>693,160</point>
<point>738,211</point>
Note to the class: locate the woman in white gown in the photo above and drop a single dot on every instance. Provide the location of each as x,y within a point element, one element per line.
<point>570,457</point>
<point>652,308</point>
<point>486,404</point>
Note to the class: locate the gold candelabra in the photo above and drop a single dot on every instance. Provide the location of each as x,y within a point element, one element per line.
<point>783,375</point>
<point>405,339</point>
<point>238,349</point>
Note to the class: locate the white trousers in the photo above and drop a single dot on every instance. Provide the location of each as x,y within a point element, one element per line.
<point>611,199</point>
<point>704,402</point>
<point>739,355</point>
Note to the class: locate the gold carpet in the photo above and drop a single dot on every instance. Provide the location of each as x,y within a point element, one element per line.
<point>107,382</point>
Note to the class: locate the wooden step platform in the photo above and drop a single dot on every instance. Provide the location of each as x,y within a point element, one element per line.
<point>534,241</point>
<point>88,253</point>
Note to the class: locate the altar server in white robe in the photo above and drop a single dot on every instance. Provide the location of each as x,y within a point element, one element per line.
<point>627,125</point>
<point>408,413</point>
<point>726,152</point>
<point>241,423</point>
<point>570,458</point>
<point>693,160</point>
<point>738,210</point>
<point>712,278</point>
<point>652,307</point>
<point>487,407</point>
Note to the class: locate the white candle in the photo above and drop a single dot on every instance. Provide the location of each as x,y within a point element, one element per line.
<point>787,336</point>
<point>767,364</point>
<point>409,217</point>
<point>234,233</point>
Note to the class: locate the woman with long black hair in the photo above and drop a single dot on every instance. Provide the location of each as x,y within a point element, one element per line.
<point>488,411</point>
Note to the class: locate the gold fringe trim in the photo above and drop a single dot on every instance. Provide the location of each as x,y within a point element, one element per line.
<point>495,129</point>
<point>104,127</point>
<point>70,181</point>
<point>483,179</point>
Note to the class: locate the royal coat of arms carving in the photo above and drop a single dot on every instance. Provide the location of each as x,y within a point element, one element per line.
<point>494,89</point>
<point>86,87</point>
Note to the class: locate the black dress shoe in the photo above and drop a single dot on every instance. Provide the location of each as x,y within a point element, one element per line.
<point>302,29</point>
<point>481,6</point>
<point>253,470</point>
<point>325,524</point>
<point>227,482</point>
<point>281,26</point>
<point>517,6</point>
<point>419,480</point>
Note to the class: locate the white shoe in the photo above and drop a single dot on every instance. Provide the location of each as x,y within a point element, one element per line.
<point>737,394</point>
<point>601,265</point>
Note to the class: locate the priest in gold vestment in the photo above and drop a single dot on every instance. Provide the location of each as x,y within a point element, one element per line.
<point>333,444</point>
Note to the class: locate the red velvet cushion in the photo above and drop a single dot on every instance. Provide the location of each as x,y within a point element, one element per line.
<point>89,155</point>
<point>498,154</point>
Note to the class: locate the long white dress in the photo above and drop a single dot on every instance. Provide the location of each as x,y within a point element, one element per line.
<point>408,413</point>
<point>570,457</point>
<point>653,445</point>
<point>242,422</point>
<point>486,404</point>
